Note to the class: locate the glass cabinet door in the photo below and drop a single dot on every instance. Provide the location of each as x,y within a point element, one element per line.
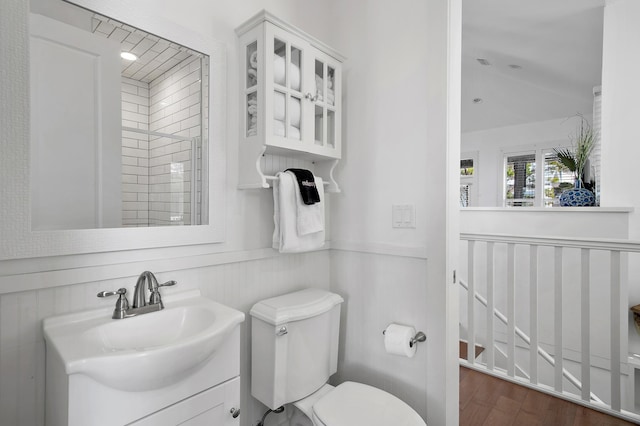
<point>287,89</point>
<point>324,87</point>
<point>251,89</point>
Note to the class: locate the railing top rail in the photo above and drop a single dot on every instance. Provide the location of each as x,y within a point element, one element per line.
<point>587,243</point>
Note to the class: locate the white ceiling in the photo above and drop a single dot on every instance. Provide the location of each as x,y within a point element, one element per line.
<point>558,44</point>
<point>155,55</point>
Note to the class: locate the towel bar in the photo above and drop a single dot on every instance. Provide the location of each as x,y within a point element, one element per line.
<point>276,178</point>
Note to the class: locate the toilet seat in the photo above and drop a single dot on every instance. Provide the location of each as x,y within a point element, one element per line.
<point>352,403</point>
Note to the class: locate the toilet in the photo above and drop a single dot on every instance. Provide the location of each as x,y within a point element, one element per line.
<point>294,345</point>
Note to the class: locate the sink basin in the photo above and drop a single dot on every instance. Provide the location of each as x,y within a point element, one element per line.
<point>145,352</point>
<point>150,331</point>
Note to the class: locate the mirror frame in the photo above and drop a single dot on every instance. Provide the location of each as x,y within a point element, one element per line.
<point>18,240</point>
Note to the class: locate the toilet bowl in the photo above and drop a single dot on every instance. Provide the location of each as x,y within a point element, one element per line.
<point>294,341</point>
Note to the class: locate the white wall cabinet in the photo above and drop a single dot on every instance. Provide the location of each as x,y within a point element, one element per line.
<point>291,103</point>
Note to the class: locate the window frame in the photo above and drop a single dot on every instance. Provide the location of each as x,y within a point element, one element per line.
<point>471,181</point>
<point>540,152</point>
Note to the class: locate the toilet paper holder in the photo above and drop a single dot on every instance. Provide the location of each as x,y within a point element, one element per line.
<point>419,337</point>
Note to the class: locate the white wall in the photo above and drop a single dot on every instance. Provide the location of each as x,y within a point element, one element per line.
<point>395,138</point>
<point>492,143</point>
<point>395,149</point>
<point>620,148</point>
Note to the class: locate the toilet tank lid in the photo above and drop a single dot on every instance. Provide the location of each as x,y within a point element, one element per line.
<point>295,306</point>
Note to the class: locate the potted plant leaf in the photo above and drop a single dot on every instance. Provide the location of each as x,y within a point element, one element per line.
<point>576,160</point>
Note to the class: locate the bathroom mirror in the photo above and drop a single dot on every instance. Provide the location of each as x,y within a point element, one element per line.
<point>20,238</point>
<point>119,125</point>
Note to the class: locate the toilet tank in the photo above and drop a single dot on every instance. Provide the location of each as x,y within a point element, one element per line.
<point>294,345</point>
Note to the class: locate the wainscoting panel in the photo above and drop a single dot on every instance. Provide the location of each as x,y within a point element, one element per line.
<point>238,284</point>
<point>380,289</point>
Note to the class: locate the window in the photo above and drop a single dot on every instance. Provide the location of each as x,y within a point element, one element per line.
<point>557,178</point>
<point>520,180</point>
<point>526,185</point>
<point>468,179</point>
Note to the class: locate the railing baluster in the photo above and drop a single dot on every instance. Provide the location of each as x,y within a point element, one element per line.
<point>560,374</point>
<point>585,315</point>
<point>533,313</point>
<point>511,312</point>
<point>615,330</point>
<point>490,307</point>
<point>471,319</point>
<point>557,281</point>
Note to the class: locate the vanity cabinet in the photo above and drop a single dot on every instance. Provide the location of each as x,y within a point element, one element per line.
<point>102,372</point>
<point>214,406</point>
<point>291,102</point>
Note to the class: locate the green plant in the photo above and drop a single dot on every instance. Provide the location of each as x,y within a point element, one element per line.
<point>575,159</point>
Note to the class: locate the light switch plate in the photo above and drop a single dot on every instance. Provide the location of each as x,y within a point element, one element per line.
<point>403,216</point>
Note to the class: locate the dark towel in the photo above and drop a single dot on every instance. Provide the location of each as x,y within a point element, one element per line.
<point>307,185</point>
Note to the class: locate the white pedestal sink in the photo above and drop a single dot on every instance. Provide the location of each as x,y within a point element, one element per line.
<point>115,371</point>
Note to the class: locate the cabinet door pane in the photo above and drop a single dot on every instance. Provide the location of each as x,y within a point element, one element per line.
<point>295,112</point>
<point>279,62</point>
<point>295,69</point>
<point>331,84</point>
<point>252,64</point>
<point>319,76</point>
<point>279,113</point>
<point>319,125</point>
<point>252,114</point>
<point>331,128</point>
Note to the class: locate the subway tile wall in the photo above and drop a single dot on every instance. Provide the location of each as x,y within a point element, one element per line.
<point>175,108</point>
<point>239,285</point>
<point>135,153</point>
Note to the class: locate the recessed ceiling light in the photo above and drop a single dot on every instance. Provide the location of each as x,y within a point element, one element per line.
<point>128,56</point>
<point>515,66</point>
<point>483,61</point>
<point>477,100</point>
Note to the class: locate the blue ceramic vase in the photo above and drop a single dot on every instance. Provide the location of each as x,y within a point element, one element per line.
<point>577,197</point>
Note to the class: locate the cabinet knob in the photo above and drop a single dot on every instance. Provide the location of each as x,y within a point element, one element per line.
<point>235,412</point>
<point>311,97</point>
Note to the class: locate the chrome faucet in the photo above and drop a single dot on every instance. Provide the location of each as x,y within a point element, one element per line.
<point>140,305</point>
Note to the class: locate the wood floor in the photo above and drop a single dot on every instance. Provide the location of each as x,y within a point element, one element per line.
<point>488,401</point>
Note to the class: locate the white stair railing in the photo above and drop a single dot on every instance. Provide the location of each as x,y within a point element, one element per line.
<point>548,262</point>
<point>521,334</point>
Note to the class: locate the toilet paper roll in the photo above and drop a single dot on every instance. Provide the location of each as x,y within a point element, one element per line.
<point>397,340</point>
<point>279,109</point>
<point>279,74</point>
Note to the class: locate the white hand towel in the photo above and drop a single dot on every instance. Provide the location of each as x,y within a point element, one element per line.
<point>285,234</point>
<point>310,216</point>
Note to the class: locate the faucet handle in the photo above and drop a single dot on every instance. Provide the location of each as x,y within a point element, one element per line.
<point>122,304</point>
<point>120,291</point>
<point>155,298</point>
